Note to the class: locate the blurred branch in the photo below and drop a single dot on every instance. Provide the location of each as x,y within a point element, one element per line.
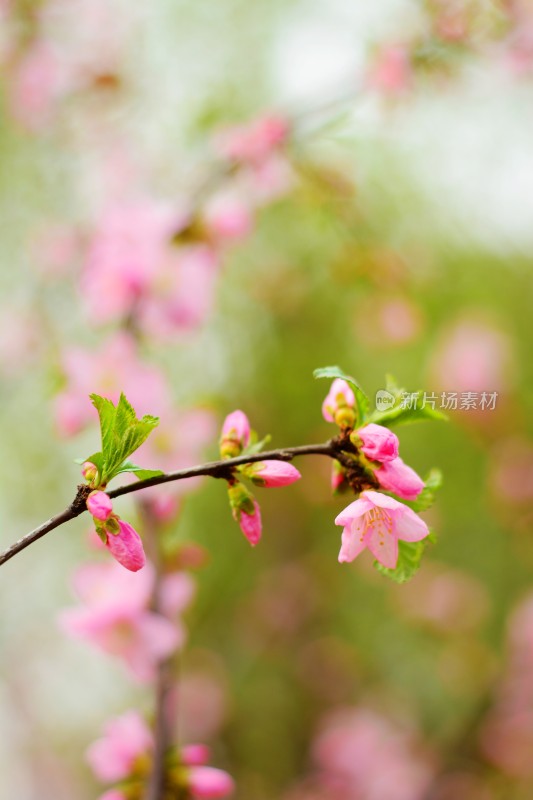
<point>335,448</point>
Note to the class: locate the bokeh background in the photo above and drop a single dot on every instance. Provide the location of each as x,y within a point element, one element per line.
<point>389,231</point>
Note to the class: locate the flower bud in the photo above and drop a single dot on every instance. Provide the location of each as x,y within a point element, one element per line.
<point>272,473</point>
<point>339,405</point>
<point>207,783</point>
<point>246,512</point>
<point>376,442</point>
<point>235,434</point>
<point>90,472</point>
<point>396,477</point>
<point>338,477</point>
<point>195,755</point>
<point>126,545</point>
<point>100,505</point>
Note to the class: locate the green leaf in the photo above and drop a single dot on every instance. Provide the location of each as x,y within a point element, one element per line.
<point>140,472</point>
<point>409,558</point>
<point>426,498</point>
<point>256,447</point>
<point>361,399</point>
<point>122,433</point>
<point>97,459</point>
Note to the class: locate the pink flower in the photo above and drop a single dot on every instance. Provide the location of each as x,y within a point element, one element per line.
<point>255,141</point>
<point>113,794</point>
<point>378,442</point>
<point>396,477</point>
<point>340,396</point>
<point>251,524</point>
<point>208,782</point>
<point>113,757</point>
<point>99,505</point>
<point>114,617</point>
<point>195,755</point>
<point>392,72</point>
<point>126,546</point>
<point>274,473</point>
<point>235,434</point>
<point>377,521</point>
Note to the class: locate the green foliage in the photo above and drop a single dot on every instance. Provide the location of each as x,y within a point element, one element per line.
<point>122,433</point>
<point>256,446</point>
<point>361,399</point>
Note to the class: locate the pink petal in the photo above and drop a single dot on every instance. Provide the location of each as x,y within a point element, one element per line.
<point>353,540</point>
<point>383,545</point>
<point>126,547</point>
<point>409,526</point>
<point>355,509</point>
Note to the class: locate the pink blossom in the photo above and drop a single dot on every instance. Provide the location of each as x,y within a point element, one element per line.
<point>396,477</point>
<point>109,371</point>
<point>36,85</point>
<point>113,794</point>
<point>274,473</point>
<point>473,355</point>
<point>195,755</point>
<point>208,782</point>
<point>126,546</point>
<point>378,442</point>
<point>254,142</point>
<point>113,757</point>
<point>340,396</point>
<point>99,505</point>
<point>377,521</point>
<point>114,617</point>
<point>251,524</point>
<point>391,74</point>
<point>228,217</point>
<point>371,757</point>
<point>176,592</point>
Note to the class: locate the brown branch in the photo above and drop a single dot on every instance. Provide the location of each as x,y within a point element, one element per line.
<point>215,469</point>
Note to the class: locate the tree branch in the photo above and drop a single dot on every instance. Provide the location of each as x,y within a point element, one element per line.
<point>216,469</point>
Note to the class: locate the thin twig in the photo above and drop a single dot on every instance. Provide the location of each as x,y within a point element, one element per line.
<point>214,469</point>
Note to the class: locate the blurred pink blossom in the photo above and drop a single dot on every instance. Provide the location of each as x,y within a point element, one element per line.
<point>377,521</point>
<point>37,82</point>
<point>391,71</point>
<point>208,782</point>
<point>115,617</point>
<point>372,756</point>
<point>472,355</point>
<point>113,369</point>
<point>228,217</point>
<point>253,142</point>
<point>126,738</point>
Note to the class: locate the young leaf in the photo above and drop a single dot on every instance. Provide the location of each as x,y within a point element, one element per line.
<point>361,399</point>
<point>122,433</point>
<point>255,446</point>
<point>140,472</point>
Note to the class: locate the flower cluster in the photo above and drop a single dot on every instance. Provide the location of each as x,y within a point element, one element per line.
<point>234,440</point>
<point>124,754</point>
<point>375,520</point>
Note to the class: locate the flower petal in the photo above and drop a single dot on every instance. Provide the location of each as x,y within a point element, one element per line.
<point>383,545</point>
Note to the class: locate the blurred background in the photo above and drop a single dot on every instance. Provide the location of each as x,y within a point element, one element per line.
<point>200,203</point>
